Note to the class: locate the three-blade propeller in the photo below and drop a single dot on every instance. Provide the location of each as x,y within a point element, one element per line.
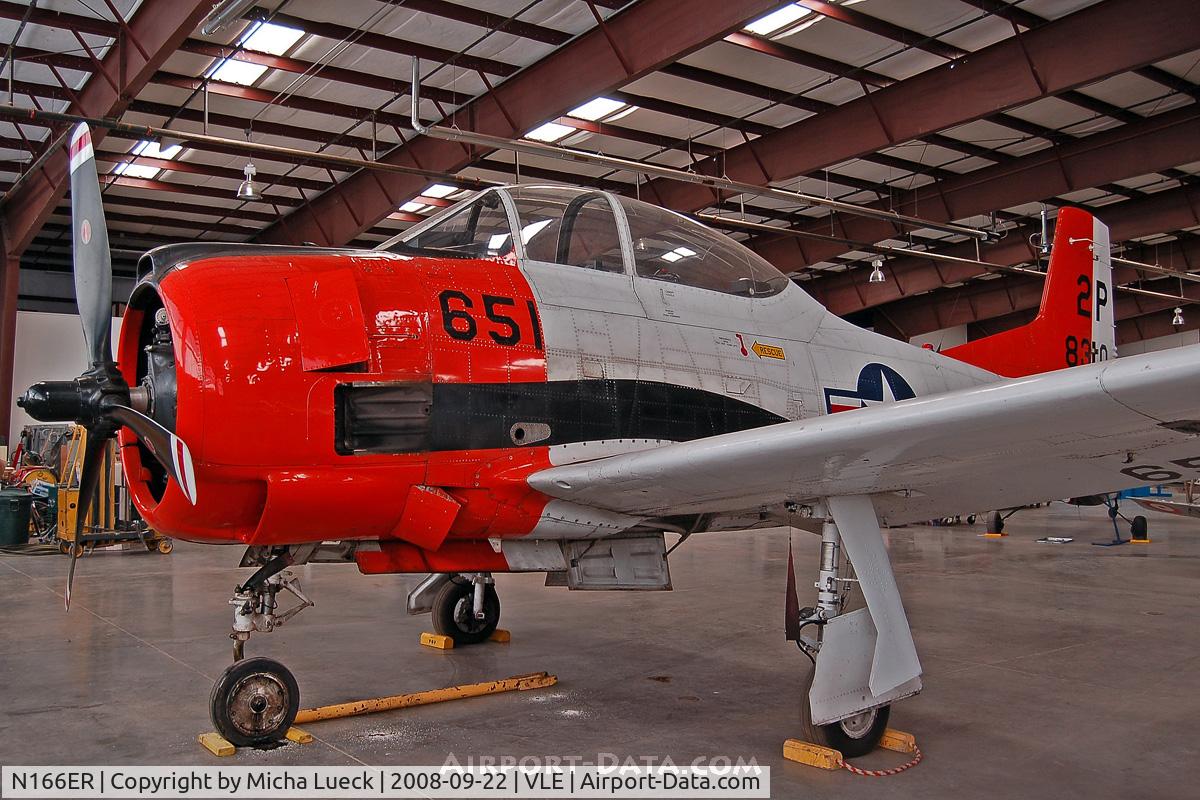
<point>99,399</point>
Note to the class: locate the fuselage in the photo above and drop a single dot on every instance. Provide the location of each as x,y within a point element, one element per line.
<point>317,387</point>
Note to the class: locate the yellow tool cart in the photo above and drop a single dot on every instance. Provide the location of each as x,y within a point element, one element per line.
<point>111,520</point>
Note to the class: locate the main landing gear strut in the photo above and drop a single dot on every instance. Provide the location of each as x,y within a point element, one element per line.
<point>863,660</point>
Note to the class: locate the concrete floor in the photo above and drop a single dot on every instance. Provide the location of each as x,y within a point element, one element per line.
<point>1050,670</point>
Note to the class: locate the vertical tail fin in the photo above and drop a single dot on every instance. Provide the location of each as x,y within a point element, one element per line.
<point>1075,323</point>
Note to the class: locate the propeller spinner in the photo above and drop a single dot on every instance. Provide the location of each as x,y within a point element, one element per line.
<point>100,400</point>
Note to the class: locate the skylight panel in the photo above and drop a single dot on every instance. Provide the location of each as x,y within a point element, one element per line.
<point>267,37</point>
<point>439,190</point>
<point>765,26</point>
<point>240,72</point>
<point>155,150</point>
<point>533,229</point>
<point>148,149</point>
<point>678,253</point>
<point>597,109</point>
<point>413,207</point>
<point>136,170</point>
<point>550,132</point>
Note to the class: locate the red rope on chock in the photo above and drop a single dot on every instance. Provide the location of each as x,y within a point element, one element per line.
<point>883,773</point>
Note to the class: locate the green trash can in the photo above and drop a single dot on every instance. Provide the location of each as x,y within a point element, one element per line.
<point>14,516</point>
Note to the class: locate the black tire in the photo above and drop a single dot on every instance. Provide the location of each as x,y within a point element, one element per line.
<point>454,614</point>
<point>853,737</point>
<point>995,523</point>
<point>1138,527</point>
<point>970,519</point>
<point>254,702</point>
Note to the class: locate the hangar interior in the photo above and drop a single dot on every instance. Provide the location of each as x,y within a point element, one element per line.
<point>987,114</point>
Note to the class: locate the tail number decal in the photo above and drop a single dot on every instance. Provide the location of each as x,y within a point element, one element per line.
<point>1085,296</point>
<point>1084,351</point>
<point>461,318</point>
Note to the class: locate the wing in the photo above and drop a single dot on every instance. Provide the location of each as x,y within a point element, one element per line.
<point>1085,430</point>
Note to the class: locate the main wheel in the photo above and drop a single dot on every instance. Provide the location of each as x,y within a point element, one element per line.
<point>454,612</point>
<point>852,737</point>
<point>996,523</point>
<point>254,702</point>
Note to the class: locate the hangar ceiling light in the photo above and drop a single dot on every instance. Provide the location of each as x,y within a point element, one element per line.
<point>247,190</point>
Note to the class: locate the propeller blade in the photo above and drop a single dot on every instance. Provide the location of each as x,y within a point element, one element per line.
<point>171,451</point>
<point>74,553</point>
<point>93,261</point>
<point>89,480</point>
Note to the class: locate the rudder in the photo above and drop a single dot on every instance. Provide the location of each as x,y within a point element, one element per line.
<point>1075,322</point>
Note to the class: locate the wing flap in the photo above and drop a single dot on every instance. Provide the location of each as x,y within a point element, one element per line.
<point>1061,434</point>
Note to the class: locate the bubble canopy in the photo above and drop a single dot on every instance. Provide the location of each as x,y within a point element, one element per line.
<point>591,229</point>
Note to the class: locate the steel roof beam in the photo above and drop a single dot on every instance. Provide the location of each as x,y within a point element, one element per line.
<point>148,40</point>
<point>298,66</point>
<point>931,44</point>
<point>847,292</point>
<point>1027,19</point>
<point>635,42</point>
<point>1111,155</point>
<point>1088,45</point>
<point>998,300</point>
<point>841,69</point>
<point>231,121</point>
<point>159,26</point>
<point>388,44</point>
<point>59,19</point>
<point>485,19</point>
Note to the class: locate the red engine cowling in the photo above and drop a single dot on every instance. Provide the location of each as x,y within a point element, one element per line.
<point>262,341</point>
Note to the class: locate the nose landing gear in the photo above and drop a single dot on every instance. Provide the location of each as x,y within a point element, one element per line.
<point>255,700</point>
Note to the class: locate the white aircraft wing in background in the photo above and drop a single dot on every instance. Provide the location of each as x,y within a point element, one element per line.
<point>1085,430</point>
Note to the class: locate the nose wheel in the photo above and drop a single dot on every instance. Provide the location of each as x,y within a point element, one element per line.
<point>254,702</point>
<point>467,611</point>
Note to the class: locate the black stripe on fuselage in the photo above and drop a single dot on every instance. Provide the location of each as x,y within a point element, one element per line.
<point>422,417</point>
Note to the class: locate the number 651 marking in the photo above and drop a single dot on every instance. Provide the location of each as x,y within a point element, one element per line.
<point>459,320</point>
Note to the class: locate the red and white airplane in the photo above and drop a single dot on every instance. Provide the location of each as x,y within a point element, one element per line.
<point>547,379</point>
